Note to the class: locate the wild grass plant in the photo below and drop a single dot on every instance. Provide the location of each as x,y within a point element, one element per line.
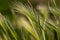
<point>23,22</point>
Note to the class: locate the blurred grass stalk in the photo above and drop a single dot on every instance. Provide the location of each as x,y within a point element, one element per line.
<point>30,24</point>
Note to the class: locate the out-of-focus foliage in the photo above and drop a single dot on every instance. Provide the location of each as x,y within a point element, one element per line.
<point>23,22</point>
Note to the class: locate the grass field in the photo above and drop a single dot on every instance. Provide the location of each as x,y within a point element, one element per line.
<point>22,21</point>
